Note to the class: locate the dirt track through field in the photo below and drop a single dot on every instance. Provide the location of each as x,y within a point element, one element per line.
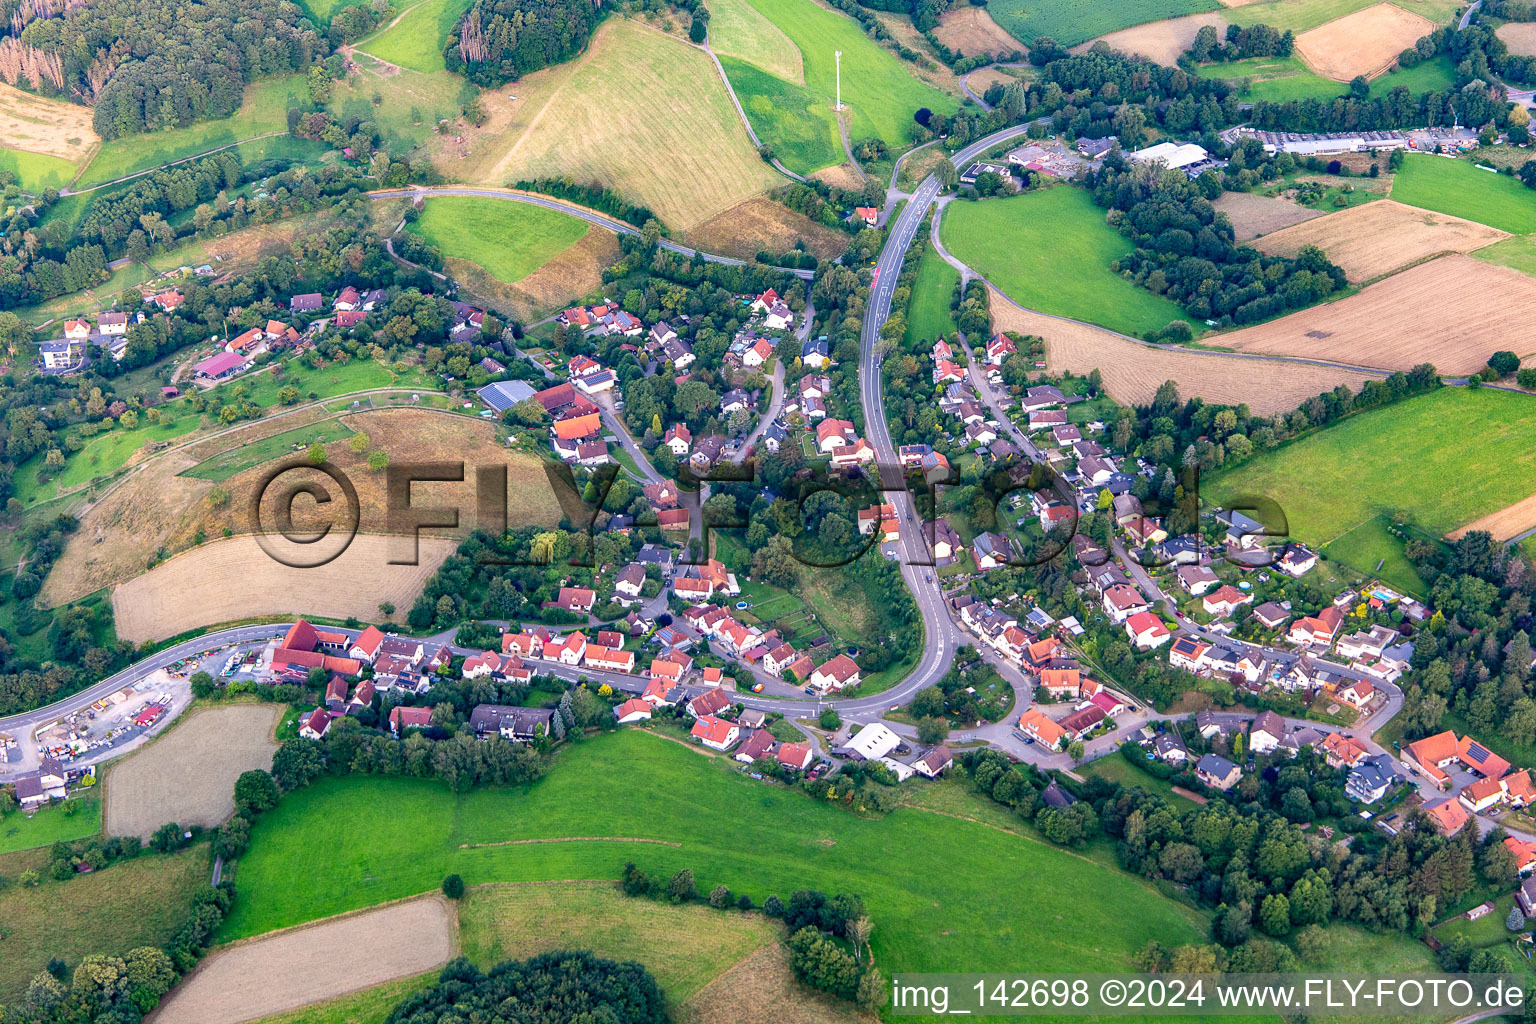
<point>1377,238</point>
<point>1454,312</point>
<point>252,980</point>
<point>1507,522</point>
<point>1160,41</point>
<point>1132,373</point>
<point>188,776</point>
<point>1253,215</point>
<point>1364,43</point>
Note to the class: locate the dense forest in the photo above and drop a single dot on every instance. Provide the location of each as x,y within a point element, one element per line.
<point>149,66</point>
<point>549,988</point>
<point>502,40</point>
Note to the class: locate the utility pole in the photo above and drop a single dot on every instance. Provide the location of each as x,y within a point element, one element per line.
<point>838,57</point>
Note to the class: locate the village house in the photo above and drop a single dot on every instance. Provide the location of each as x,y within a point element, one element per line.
<point>1036,726</point>
<point>632,710</point>
<point>1316,630</point>
<point>1432,754</point>
<point>1448,816</point>
<point>1370,779</point>
<point>520,725</point>
<point>1146,631</point>
<point>835,674</point>
<point>715,733</point>
<point>1217,772</point>
<point>1121,601</point>
<point>1224,601</point>
<point>402,718</point>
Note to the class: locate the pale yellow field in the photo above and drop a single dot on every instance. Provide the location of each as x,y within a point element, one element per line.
<point>1377,238</point>
<point>188,775</point>
<point>641,113</point>
<point>233,578</point>
<point>1253,215</point>
<point>39,125</point>
<point>293,968</point>
<point>1454,312</point>
<point>971,31</point>
<point>1160,41</point>
<point>1132,373</point>
<point>1519,36</point>
<point>1364,43</point>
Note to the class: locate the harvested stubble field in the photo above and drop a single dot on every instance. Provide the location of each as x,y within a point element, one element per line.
<point>1160,41</point>
<point>971,31</point>
<point>1253,215</point>
<point>234,578</point>
<point>1132,373</point>
<point>157,509</point>
<point>38,125</point>
<point>1364,43</point>
<point>280,972</point>
<point>1454,312</point>
<point>985,78</point>
<point>1519,37</point>
<point>635,91</point>
<point>1377,238</point>
<point>762,224</point>
<point>188,775</point>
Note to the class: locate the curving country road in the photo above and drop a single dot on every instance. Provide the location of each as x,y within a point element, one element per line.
<point>602,221</point>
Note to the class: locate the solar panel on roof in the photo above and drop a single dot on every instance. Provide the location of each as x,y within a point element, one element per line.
<point>1477,753</point>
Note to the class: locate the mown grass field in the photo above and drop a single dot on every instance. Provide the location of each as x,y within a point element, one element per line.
<point>1460,189</point>
<point>227,464</point>
<point>933,914</point>
<point>796,123</point>
<point>929,315</point>
<point>74,819</point>
<point>265,110</point>
<point>104,454</point>
<point>643,113</point>
<point>1300,15</point>
<point>737,29</point>
<point>1441,459</point>
<point>1280,79</point>
<point>1051,251</point>
<point>508,240</point>
<point>36,171</point>
<point>1117,769</point>
<point>416,38</point>
<point>685,947</point>
<point>881,94</point>
<point>1518,253</point>
<point>132,903</point>
<point>1070,22</point>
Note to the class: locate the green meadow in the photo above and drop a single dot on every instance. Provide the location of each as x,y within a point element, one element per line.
<point>506,239</point>
<point>1051,251</point>
<point>1461,189</point>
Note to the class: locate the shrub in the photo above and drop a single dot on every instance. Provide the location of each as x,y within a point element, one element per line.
<point>453,887</point>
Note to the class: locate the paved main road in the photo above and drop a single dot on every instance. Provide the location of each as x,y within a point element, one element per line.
<point>617,226</point>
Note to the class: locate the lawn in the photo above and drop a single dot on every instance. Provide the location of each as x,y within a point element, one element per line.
<point>1460,189</point>
<point>1435,75</point>
<point>929,314</point>
<point>36,171</point>
<point>265,110</point>
<point>1070,22</point>
<point>790,119</point>
<point>881,94</point>
<point>507,240</point>
<point>237,460</point>
<point>1051,250</point>
<point>132,903</point>
<point>1301,15</point>
<point>1441,460</point>
<point>73,819</point>
<point>761,840</point>
<point>1274,79</point>
<point>1371,549</point>
<point>685,947</point>
<point>416,39</point>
